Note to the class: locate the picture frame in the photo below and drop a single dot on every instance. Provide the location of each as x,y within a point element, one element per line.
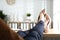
<point>10,2</point>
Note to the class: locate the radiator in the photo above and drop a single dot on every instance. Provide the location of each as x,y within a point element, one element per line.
<point>21,25</point>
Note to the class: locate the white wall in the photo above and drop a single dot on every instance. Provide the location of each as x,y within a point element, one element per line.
<point>18,10</point>
<point>56,15</point>
<point>49,8</point>
<point>14,11</point>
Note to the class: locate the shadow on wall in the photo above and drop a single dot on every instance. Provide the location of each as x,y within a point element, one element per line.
<point>52,24</point>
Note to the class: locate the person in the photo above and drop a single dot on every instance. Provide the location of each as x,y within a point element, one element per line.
<point>35,33</point>
<point>42,25</point>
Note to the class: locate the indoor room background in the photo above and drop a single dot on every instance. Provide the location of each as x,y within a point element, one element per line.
<point>16,11</point>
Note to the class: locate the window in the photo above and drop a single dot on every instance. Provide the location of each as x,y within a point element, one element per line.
<point>56,15</point>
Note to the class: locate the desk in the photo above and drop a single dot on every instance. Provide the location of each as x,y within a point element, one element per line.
<point>51,35</point>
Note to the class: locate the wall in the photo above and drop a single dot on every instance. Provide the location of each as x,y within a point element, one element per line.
<point>56,15</point>
<point>17,11</point>
<point>49,8</point>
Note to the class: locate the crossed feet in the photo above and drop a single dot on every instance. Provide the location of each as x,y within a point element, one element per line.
<point>46,19</point>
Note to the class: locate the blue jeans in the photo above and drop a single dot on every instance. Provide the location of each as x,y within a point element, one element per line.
<point>33,34</point>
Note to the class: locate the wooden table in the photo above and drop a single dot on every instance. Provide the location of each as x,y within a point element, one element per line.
<point>51,35</point>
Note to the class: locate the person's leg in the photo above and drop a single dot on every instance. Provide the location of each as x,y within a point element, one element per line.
<point>36,28</point>
<point>40,20</point>
<point>36,33</point>
<point>47,20</point>
<point>23,33</point>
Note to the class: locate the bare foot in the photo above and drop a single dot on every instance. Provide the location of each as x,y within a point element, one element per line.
<point>47,23</point>
<point>41,15</point>
<point>46,18</point>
